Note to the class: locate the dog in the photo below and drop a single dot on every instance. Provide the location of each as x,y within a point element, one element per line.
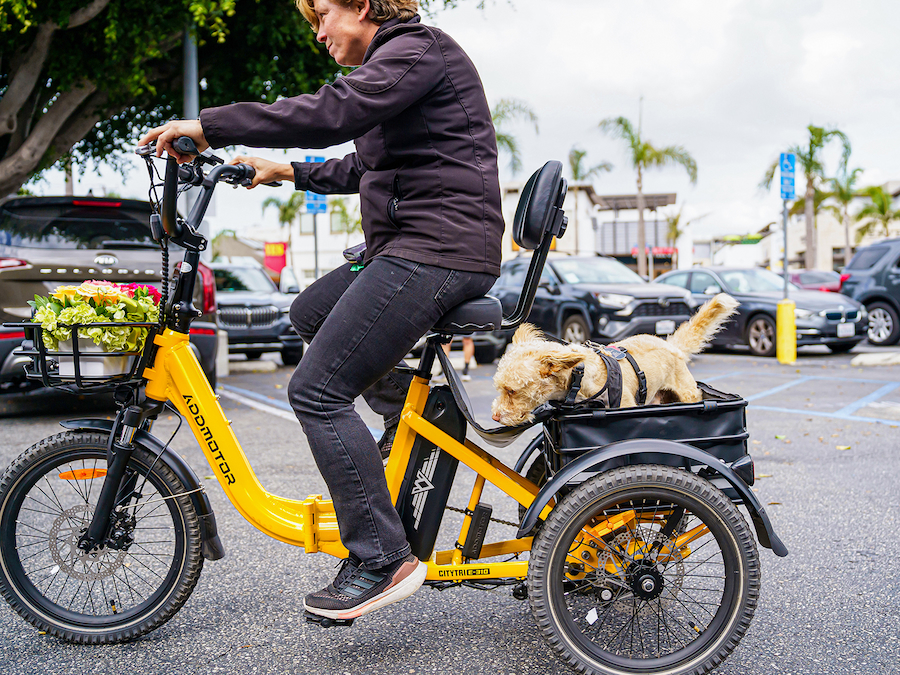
<point>534,370</point>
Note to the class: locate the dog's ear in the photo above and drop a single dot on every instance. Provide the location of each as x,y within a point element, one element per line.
<point>526,333</point>
<point>559,360</point>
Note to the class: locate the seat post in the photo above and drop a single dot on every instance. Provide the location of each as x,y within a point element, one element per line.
<point>426,361</point>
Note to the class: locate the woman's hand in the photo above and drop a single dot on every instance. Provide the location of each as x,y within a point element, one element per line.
<point>167,133</point>
<point>266,170</point>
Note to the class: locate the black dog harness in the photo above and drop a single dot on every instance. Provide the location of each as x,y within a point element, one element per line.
<point>611,393</point>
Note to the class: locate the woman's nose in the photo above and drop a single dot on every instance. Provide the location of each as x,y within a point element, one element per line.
<point>320,34</point>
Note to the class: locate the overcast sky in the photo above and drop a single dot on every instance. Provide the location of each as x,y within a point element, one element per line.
<point>733,81</point>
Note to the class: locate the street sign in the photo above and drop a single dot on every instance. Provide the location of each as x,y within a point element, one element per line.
<point>316,203</point>
<point>787,163</point>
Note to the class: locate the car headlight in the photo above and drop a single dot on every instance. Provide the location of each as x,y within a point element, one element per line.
<point>614,300</point>
<point>802,313</point>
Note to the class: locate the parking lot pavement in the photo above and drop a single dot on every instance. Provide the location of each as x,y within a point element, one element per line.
<point>823,435</point>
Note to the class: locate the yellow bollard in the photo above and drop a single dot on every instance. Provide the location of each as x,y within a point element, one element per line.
<point>786,332</point>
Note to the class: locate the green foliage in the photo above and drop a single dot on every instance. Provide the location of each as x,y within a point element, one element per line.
<point>505,112</point>
<point>879,211</point>
<point>578,166</point>
<point>809,157</point>
<point>643,154</point>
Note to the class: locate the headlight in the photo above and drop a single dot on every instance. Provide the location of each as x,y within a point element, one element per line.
<point>614,299</point>
<point>802,313</point>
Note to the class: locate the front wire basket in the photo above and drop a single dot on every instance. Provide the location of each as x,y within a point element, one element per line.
<point>77,370</point>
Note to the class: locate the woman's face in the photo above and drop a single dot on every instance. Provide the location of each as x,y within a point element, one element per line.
<point>345,30</point>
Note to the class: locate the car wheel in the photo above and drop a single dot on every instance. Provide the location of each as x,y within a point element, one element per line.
<point>485,354</point>
<point>842,348</point>
<point>761,335</point>
<point>291,356</point>
<point>884,325</point>
<point>253,356</point>
<point>575,329</point>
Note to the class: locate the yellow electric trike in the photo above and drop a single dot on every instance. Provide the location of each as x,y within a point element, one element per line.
<point>630,547</point>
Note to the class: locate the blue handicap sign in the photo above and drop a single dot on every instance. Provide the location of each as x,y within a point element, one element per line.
<point>316,203</point>
<point>787,163</point>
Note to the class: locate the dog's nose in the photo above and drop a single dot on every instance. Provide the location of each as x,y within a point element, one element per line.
<point>496,417</point>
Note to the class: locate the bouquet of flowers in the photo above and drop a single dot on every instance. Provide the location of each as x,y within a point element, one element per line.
<point>97,302</point>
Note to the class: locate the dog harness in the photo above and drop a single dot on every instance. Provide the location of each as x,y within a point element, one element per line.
<point>611,393</point>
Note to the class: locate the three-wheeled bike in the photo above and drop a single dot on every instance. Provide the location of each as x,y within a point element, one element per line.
<point>631,549</point>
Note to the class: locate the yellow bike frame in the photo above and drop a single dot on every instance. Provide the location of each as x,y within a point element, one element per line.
<point>176,376</point>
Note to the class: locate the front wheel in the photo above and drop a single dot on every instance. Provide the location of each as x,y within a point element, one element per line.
<point>644,569</point>
<point>761,336</point>
<point>135,581</point>
<point>575,330</point>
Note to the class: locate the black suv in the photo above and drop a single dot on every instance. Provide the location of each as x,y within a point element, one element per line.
<point>46,242</point>
<point>873,278</point>
<point>255,313</point>
<point>582,298</point>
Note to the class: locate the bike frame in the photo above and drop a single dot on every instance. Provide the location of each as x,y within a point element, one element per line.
<point>176,376</point>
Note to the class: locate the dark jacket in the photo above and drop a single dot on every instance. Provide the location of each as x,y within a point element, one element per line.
<point>425,164</point>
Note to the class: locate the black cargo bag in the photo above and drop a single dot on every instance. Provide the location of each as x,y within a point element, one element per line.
<point>717,425</point>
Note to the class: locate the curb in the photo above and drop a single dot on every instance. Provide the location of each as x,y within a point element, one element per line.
<point>877,359</point>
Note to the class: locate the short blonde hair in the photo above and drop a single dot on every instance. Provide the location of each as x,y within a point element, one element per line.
<point>379,12</point>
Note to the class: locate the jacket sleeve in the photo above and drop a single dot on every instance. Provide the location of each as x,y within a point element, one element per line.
<point>399,73</point>
<point>334,176</point>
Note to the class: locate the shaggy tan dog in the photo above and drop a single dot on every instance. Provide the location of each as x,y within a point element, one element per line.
<point>534,371</point>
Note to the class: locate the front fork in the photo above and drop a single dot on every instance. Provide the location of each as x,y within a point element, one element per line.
<point>115,491</point>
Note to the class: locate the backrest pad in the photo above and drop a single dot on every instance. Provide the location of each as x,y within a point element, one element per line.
<point>541,198</point>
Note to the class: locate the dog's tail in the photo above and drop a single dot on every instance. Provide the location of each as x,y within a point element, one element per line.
<point>693,336</point>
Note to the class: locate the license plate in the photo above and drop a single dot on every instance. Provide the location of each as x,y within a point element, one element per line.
<point>667,326</point>
<point>846,330</point>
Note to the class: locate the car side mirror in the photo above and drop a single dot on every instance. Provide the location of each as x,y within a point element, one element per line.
<point>291,290</point>
<point>549,286</point>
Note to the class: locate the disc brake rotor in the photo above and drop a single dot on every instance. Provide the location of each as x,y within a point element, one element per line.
<point>76,563</point>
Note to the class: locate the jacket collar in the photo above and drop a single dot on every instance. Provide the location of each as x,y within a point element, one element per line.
<point>386,31</point>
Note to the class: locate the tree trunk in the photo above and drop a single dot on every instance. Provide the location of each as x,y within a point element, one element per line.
<point>641,233</point>
<point>810,215</point>
<point>848,250</point>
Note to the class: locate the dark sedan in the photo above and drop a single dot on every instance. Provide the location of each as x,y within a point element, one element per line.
<point>582,298</point>
<point>829,319</point>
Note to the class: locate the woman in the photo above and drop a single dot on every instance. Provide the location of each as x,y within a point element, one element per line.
<point>425,168</point>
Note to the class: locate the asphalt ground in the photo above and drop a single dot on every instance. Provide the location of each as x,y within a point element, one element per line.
<point>824,436</point>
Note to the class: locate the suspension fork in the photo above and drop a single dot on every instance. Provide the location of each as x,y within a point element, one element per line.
<point>118,454</point>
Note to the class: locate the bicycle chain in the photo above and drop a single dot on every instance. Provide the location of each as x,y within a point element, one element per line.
<point>493,520</point>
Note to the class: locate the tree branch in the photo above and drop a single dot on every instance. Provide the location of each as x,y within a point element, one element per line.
<point>78,126</point>
<point>16,167</point>
<point>26,74</point>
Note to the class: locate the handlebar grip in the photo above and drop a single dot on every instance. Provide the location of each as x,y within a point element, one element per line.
<point>185,145</point>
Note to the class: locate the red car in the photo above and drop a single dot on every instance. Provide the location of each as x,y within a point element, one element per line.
<point>817,280</point>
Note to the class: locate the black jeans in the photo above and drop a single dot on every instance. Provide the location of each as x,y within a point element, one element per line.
<point>359,326</point>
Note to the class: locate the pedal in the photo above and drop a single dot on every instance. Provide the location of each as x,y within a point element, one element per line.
<point>481,518</point>
<point>325,622</point>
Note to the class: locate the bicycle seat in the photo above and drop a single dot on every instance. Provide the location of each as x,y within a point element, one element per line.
<point>484,313</point>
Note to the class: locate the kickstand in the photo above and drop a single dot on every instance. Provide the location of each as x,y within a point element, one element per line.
<point>325,622</point>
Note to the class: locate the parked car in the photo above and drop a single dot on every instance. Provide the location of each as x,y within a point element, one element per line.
<point>46,242</point>
<point>593,298</point>
<point>817,280</point>
<point>255,312</point>
<point>873,278</point>
<point>829,319</point>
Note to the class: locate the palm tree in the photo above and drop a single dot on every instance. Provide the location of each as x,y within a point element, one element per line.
<point>508,110</point>
<point>843,191</point>
<point>810,161</point>
<point>289,210</point>
<point>675,228</point>
<point>643,156</point>
<point>879,211</point>
<point>349,221</point>
<point>582,172</point>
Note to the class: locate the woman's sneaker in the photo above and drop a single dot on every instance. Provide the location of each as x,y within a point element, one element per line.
<point>357,591</point>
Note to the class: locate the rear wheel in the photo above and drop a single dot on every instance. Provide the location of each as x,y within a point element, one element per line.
<point>644,569</point>
<point>761,335</point>
<point>290,356</point>
<point>254,356</point>
<point>134,582</point>
<point>485,354</point>
<point>884,324</point>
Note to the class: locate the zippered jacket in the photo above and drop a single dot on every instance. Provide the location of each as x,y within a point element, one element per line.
<point>425,164</point>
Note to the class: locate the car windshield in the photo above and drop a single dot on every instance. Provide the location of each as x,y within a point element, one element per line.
<point>753,281</point>
<point>243,279</point>
<point>595,271</point>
